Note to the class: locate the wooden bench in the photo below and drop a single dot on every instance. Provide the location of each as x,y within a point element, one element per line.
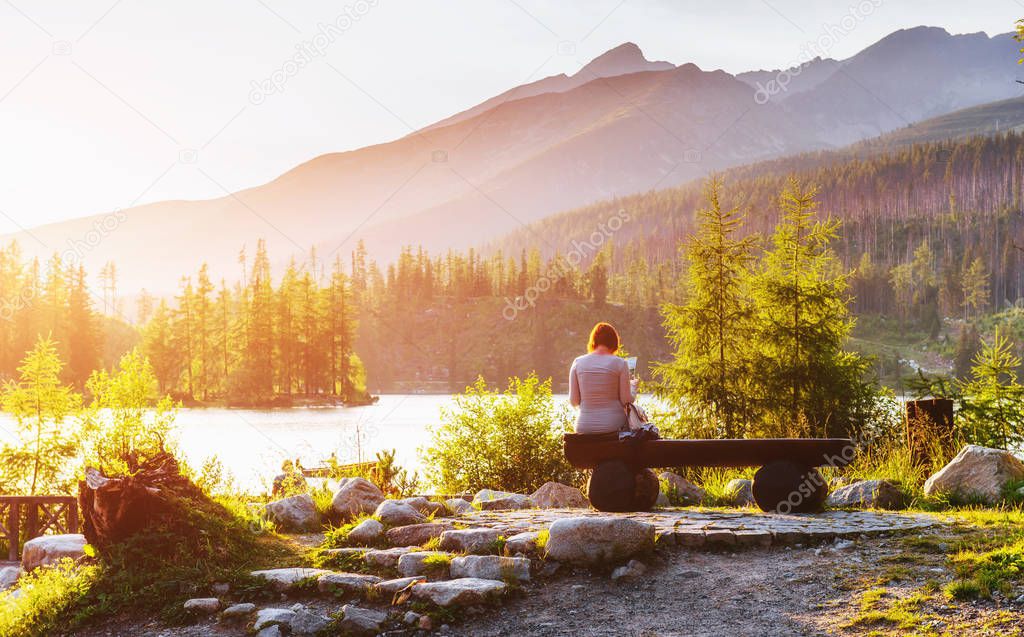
<point>787,481</point>
<point>42,513</point>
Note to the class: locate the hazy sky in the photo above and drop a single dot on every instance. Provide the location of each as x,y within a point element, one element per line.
<point>106,104</point>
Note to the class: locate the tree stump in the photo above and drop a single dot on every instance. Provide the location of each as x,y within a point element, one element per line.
<point>116,508</point>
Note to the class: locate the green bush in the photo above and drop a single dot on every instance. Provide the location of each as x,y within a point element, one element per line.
<point>46,594</point>
<point>509,440</point>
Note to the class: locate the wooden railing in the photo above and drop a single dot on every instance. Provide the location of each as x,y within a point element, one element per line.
<point>41,513</point>
<point>356,468</point>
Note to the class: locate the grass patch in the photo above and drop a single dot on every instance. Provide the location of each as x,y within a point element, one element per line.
<point>46,595</point>
<point>983,572</point>
<point>437,562</point>
<point>715,481</point>
<point>542,541</point>
<point>903,614</point>
<point>348,562</point>
<point>337,536</point>
<point>497,547</point>
<point>323,500</point>
<point>962,590</point>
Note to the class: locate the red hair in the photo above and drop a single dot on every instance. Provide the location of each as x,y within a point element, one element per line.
<point>603,334</point>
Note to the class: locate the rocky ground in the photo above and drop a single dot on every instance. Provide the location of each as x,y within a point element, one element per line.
<point>811,585</point>
<point>548,564</point>
<point>783,591</point>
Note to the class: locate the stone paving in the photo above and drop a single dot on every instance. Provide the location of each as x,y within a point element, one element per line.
<point>697,527</point>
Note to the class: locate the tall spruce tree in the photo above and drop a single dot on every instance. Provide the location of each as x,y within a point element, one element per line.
<point>709,374</point>
<point>806,382</point>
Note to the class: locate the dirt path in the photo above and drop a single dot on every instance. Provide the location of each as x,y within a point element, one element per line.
<point>755,593</point>
<point>770,592</point>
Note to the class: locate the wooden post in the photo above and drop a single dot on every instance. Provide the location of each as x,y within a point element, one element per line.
<point>31,519</point>
<point>13,531</point>
<point>73,516</point>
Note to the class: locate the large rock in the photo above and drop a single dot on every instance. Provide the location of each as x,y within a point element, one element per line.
<point>201,605</point>
<point>350,583</point>
<point>392,586</point>
<point>976,473</point>
<point>416,534</point>
<point>742,492</point>
<point>425,506</point>
<point>597,540</point>
<point>458,506</point>
<point>9,576</point>
<point>524,543</point>
<point>507,569</point>
<point>680,490</point>
<point>288,579</point>
<point>555,495</point>
<point>477,541</point>
<point>869,494</point>
<point>488,500</point>
<point>304,622</point>
<point>266,617</point>
<point>49,549</point>
<point>423,563</point>
<point>356,496</point>
<point>366,533</point>
<point>296,514</point>
<point>237,612</point>
<point>386,558</point>
<point>361,621</point>
<point>466,591</point>
<point>398,513</point>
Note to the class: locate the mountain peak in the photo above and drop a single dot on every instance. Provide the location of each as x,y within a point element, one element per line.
<point>623,59</point>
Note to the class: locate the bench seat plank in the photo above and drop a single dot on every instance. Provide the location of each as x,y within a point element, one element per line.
<point>586,451</point>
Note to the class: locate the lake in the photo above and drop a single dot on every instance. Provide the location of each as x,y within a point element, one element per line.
<point>252,443</point>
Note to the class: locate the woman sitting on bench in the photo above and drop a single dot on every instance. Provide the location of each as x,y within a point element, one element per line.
<point>599,384</point>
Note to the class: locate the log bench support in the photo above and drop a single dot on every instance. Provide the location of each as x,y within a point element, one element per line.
<point>40,513</point>
<point>787,481</point>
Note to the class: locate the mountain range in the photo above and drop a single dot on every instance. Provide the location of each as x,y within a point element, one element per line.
<point>621,125</point>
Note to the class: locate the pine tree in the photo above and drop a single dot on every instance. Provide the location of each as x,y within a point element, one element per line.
<point>144,307</point>
<point>968,345</point>
<point>257,380</point>
<point>806,381</point>
<point>83,332</point>
<point>203,337</point>
<point>710,332</point>
<point>160,347</point>
<point>991,411</point>
<point>975,288</point>
<point>40,403</point>
<point>184,333</point>
<point>597,280</point>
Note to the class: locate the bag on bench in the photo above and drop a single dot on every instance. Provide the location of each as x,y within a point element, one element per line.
<point>638,427</point>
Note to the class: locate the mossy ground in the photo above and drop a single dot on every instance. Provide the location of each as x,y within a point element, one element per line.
<point>961,579</point>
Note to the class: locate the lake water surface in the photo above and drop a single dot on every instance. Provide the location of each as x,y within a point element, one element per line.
<point>252,443</point>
